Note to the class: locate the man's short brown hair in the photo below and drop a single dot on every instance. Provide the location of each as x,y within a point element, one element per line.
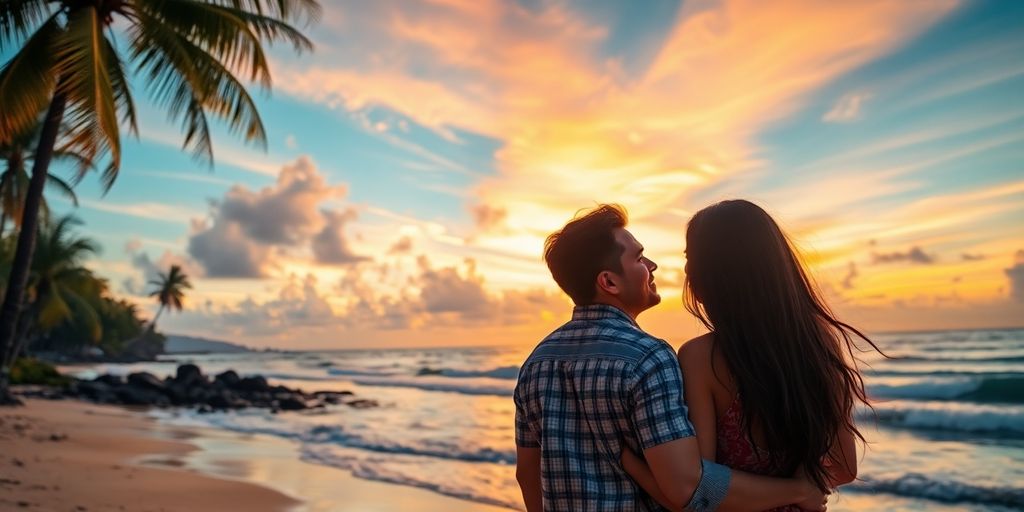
<point>584,248</point>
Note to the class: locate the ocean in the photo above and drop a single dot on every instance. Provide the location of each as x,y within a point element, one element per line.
<point>946,432</point>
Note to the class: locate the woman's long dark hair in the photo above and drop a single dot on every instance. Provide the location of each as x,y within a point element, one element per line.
<point>791,359</point>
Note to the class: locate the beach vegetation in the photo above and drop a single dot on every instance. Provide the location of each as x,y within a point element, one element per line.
<point>27,370</point>
<point>72,67</point>
<point>69,312</point>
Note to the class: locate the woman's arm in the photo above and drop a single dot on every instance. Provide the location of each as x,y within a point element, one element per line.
<point>695,363</point>
<point>641,473</point>
<point>842,459</point>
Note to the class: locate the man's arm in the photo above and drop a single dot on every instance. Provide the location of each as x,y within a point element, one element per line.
<point>528,476</point>
<point>680,474</point>
<point>528,453</point>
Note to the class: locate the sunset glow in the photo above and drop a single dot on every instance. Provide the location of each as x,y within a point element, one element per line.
<point>419,156</point>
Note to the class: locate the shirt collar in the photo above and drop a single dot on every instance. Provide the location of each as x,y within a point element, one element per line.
<point>599,312</point>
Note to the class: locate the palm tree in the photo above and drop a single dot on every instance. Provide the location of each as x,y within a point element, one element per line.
<point>170,291</point>
<point>187,52</point>
<point>60,288</point>
<point>17,154</point>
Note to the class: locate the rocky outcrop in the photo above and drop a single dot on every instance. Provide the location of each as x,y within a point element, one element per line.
<point>190,388</point>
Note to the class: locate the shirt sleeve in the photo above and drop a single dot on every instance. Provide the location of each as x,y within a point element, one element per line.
<point>712,488</point>
<point>659,413</point>
<point>526,437</point>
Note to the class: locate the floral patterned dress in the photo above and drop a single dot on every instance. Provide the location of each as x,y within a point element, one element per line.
<point>737,451</point>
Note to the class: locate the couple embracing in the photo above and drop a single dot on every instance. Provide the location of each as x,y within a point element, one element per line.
<point>764,420</point>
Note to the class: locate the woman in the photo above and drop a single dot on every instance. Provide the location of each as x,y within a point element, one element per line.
<point>771,389</point>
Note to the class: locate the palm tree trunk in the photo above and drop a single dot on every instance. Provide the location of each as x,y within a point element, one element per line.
<point>18,277</point>
<point>152,325</point>
<point>20,337</point>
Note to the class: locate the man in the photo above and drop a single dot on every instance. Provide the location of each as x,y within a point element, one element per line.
<point>600,384</point>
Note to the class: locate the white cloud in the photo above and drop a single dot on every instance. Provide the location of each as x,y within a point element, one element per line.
<point>247,230</point>
<point>847,109</point>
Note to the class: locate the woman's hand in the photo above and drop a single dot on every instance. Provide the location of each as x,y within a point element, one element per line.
<point>818,502</point>
<point>816,498</point>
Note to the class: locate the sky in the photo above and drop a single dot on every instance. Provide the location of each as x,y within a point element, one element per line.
<point>419,156</point>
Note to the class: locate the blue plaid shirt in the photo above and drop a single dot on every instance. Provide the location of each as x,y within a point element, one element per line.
<point>593,385</point>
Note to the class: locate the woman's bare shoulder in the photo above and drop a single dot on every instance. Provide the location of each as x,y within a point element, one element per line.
<point>696,351</point>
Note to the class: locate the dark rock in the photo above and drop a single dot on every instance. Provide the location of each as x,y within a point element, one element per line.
<point>177,393</point>
<point>146,380</point>
<point>254,383</point>
<point>188,375</point>
<point>362,403</point>
<point>328,397</point>
<point>338,393</point>
<point>292,403</point>
<point>97,391</point>
<point>332,397</point>
<point>226,391</point>
<point>228,378</point>
<point>111,380</point>
<point>129,395</point>
<point>219,401</point>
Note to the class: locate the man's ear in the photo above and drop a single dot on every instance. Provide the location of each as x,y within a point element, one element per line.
<point>608,282</point>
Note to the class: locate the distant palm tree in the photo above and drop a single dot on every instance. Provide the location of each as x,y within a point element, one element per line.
<point>17,154</point>
<point>187,52</point>
<point>170,291</point>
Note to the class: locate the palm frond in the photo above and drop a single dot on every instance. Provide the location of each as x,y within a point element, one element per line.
<point>190,82</point>
<point>232,35</point>
<point>53,309</point>
<point>19,17</point>
<point>86,314</point>
<point>22,142</point>
<point>27,82</point>
<point>63,187</point>
<point>119,83</point>
<point>81,60</point>
<point>82,164</point>
<point>292,10</point>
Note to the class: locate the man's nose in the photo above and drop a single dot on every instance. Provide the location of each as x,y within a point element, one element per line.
<point>651,265</point>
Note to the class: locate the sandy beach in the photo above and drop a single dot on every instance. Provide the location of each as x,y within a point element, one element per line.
<point>75,456</point>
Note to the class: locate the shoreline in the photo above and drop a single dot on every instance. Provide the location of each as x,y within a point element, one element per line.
<point>74,455</point>
<point>70,455</point>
